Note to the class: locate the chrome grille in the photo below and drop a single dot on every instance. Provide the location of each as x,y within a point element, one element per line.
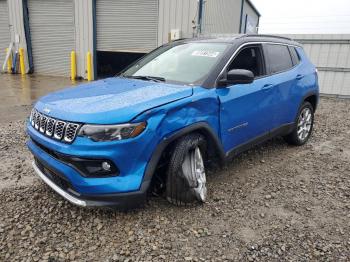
<point>71,131</point>
<point>37,120</point>
<point>57,129</point>
<point>50,126</point>
<point>43,120</point>
<point>32,117</point>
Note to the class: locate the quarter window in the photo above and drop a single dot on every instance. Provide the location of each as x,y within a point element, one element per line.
<point>279,58</point>
<point>294,54</point>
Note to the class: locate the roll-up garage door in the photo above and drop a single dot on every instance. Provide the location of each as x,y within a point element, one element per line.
<point>126,25</point>
<point>52,35</point>
<point>4,30</point>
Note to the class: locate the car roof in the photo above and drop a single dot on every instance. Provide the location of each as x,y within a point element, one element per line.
<point>240,39</point>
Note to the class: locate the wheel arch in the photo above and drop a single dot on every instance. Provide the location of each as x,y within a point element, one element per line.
<point>312,98</point>
<point>213,144</point>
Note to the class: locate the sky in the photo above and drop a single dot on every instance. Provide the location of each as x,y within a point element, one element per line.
<point>304,16</point>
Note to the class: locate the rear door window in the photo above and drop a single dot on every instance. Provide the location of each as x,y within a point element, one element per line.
<point>279,58</point>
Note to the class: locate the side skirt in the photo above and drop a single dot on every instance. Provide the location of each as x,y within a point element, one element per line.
<point>279,131</point>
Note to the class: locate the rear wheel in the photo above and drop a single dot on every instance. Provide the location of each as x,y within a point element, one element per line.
<point>303,126</point>
<point>186,177</point>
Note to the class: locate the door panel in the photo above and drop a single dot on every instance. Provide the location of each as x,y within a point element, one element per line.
<point>284,84</point>
<point>246,112</point>
<point>283,77</point>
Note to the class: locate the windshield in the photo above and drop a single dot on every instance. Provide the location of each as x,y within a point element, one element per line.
<point>184,63</point>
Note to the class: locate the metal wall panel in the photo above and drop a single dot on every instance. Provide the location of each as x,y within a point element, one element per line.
<point>15,16</point>
<point>127,25</point>
<point>221,17</point>
<point>249,18</point>
<point>52,34</point>
<point>335,83</point>
<point>176,14</point>
<point>4,30</point>
<point>331,55</point>
<point>84,34</point>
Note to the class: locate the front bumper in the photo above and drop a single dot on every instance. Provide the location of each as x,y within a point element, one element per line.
<point>56,188</point>
<point>121,200</point>
<point>130,157</point>
<point>125,191</point>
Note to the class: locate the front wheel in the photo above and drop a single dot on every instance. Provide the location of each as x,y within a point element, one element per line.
<point>303,126</point>
<point>186,177</point>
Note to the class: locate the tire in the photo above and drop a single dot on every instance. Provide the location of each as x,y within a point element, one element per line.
<point>303,126</point>
<point>186,178</point>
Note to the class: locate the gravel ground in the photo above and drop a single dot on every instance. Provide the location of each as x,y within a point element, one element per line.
<point>272,203</point>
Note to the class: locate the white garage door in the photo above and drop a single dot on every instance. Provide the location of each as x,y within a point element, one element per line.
<point>51,25</point>
<point>127,25</point>
<point>4,30</point>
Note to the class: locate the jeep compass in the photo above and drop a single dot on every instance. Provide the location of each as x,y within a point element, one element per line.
<point>164,118</point>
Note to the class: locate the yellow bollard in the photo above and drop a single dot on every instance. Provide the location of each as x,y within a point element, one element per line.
<point>89,66</point>
<point>9,62</point>
<point>73,66</point>
<point>21,61</point>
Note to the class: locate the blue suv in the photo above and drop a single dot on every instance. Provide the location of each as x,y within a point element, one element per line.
<point>157,125</point>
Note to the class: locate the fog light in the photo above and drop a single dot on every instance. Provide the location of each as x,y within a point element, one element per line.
<point>91,167</point>
<point>106,166</point>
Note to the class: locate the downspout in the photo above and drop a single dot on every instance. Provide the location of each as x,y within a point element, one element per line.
<point>240,20</point>
<point>245,24</point>
<point>200,15</point>
<point>94,36</point>
<point>27,36</point>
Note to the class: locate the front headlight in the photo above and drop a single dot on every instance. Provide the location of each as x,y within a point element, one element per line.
<point>100,133</point>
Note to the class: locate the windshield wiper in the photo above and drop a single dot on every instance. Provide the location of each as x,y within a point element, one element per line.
<point>149,78</point>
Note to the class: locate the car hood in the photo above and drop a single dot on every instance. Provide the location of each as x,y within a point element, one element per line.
<point>109,101</point>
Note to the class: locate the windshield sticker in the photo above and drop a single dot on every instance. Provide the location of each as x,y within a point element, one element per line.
<point>205,53</point>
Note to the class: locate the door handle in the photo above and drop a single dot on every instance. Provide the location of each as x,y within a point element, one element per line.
<point>299,77</point>
<point>267,87</point>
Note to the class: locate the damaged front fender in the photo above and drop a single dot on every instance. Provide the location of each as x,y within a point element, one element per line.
<point>198,113</point>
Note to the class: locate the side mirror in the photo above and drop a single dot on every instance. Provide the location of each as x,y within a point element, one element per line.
<point>238,76</point>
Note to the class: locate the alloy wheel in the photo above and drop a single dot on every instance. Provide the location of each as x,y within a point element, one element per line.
<point>194,171</point>
<point>304,124</point>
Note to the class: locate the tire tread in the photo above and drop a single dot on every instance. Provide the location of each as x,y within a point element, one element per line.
<point>178,191</point>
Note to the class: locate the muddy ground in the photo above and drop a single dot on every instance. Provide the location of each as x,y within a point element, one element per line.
<point>272,203</point>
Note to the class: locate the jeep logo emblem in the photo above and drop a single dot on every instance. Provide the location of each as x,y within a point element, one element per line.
<point>47,110</point>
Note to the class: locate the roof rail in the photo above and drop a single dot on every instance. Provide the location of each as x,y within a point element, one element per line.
<point>272,36</point>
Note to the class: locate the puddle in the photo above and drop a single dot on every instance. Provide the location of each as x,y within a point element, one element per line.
<point>18,93</point>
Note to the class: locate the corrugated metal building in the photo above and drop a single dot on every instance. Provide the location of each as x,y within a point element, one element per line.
<point>52,35</point>
<point>250,18</point>
<point>116,32</point>
<point>331,55</point>
<point>11,27</point>
<point>217,13</point>
<point>178,14</point>
<point>4,28</point>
